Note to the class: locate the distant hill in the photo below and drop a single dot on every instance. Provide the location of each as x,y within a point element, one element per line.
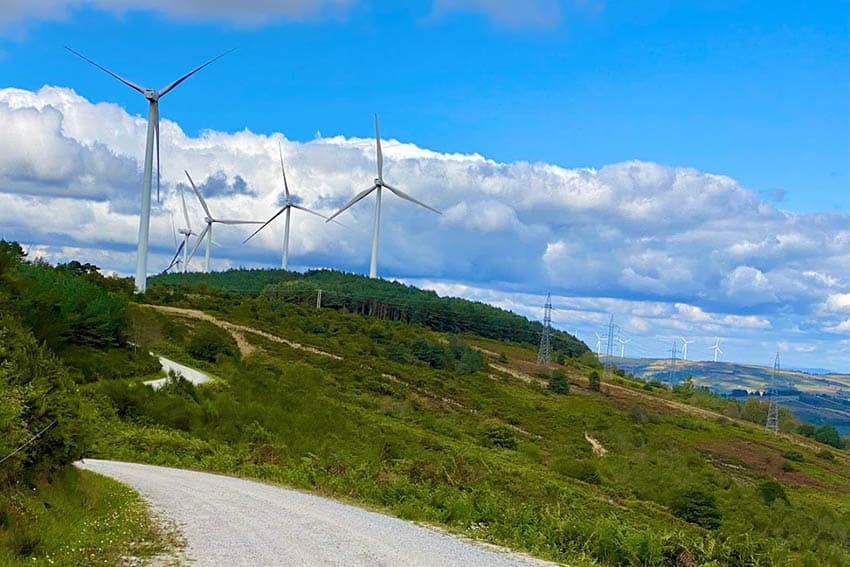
<point>817,398</point>
<point>382,299</point>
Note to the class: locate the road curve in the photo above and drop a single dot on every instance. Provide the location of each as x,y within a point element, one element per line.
<point>194,376</point>
<point>231,521</point>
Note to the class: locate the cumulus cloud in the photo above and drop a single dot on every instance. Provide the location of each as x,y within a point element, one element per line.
<point>664,247</point>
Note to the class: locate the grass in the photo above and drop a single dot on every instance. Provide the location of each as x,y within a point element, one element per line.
<point>490,455</point>
<point>76,518</point>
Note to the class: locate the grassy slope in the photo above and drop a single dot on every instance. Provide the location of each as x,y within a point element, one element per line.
<point>78,518</point>
<point>493,454</point>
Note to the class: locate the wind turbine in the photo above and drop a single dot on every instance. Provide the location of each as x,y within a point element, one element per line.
<point>379,185</point>
<point>153,97</point>
<point>210,220</point>
<point>187,235</point>
<point>623,344</point>
<point>290,204</point>
<point>176,260</point>
<point>716,348</point>
<point>598,345</point>
<point>685,344</point>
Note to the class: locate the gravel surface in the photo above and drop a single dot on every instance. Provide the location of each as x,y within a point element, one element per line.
<point>190,374</point>
<point>231,521</point>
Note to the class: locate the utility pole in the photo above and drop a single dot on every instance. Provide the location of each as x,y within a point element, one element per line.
<point>772,408</point>
<point>544,354</point>
<point>319,299</point>
<point>672,362</point>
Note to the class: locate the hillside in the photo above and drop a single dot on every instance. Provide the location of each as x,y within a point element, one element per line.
<point>456,430</point>
<point>382,299</point>
<point>816,398</point>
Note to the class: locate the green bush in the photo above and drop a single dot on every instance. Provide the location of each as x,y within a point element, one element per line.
<point>499,436</point>
<point>698,507</point>
<point>595,381</point>
<point>770,491</point>
<point>208,342</point>
<point>558,382</point>
<point>828,435</point>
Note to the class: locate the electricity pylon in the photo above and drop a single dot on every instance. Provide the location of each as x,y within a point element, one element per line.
<point>772,408</point>
<point>544,354</point>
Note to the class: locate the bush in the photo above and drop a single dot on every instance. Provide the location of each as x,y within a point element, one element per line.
<point>595,381</point>
<point>208,342</point>
<point>697,507</point>
<point>795,456</point>
<point>500,436</point>
<point>503,358</point>
<point>828,435</point>
<point>558,382</point>
<point>770,491</point>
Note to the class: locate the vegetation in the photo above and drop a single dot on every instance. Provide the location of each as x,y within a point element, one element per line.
<point>436,426</point>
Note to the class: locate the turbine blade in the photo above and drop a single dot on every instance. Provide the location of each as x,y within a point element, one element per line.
<point>198,194</point>
<point>130,84</point>
<point>265,224</point>
<point>306,210</point>
<point>283,171</point>
<point>173,85</point>
<point>173,229</point>
<point>380,153</point>
<point>228,221</point>
<point>351,202</point>
<point>185,210</point>
<point>198,243</point>
<point>404,195</point>
<point>176,257</point>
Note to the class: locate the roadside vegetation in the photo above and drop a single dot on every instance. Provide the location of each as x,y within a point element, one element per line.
<point>461,429</point>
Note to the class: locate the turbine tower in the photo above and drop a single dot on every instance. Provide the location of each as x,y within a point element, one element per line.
<point>378,186</point>
<point>685,343</point>
<point>544,354</point>
<point>716,348</point>
<point>623,344</point>
<point>187,235</point>
<point>287,208</point>
<point>598,345</point>
<point>773,409</point>
<point>210,220</point>
<point>153,97</point>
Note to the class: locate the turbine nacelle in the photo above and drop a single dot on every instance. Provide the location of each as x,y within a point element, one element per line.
<point>151,95</point>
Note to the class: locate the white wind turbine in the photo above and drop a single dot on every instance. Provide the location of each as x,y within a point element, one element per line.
<point>716,348</point>
<point>176,260</point>
<point>623,344</point>
<point>153,97</point>
<point>210,220</point>
<point>379,185</point>
<point>290,204</point>
<point>187,235</point>
<point>598,345</point>
<point>685,344</point>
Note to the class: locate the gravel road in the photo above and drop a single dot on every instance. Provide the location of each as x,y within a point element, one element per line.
<point>190,374</point>
<point>230,521</point>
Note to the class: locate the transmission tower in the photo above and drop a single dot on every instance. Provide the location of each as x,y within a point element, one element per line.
<point>672,363</point>
<point>772,408</point>
<point>544,355</point>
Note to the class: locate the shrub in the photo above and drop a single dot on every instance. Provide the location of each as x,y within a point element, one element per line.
<point>795,456</point>
<point>209,341</point>
<point>500,436</point>
<point>503,358</point>
<point>558,382</point>
<point>595,381</point>
<point>697,507</point>
<point>828,435</point>
<point>770,491</point>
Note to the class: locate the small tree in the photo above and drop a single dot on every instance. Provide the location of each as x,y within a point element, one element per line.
<point>558,382</point>
<point>503,358</point>
<point>771,491</point>
<point>595,381</point>
<point>698,507</point>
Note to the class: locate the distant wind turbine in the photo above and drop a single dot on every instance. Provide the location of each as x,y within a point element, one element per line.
<point>290,204</point>
<point>716,348</point>
<point>598,345</point>
<point>685,344</point>
<point>210,220</point>
<point>153,97</point>
<point>623,344</point>
<point>378,185</point>
<point>187,235</point>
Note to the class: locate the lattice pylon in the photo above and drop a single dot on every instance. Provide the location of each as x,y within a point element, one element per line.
<point>772,408</point>
<point>544,354</point>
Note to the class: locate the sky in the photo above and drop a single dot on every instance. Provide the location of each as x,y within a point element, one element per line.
<point>680,166</point>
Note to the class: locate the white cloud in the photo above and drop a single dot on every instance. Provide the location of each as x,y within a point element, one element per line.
<point>664,247</point>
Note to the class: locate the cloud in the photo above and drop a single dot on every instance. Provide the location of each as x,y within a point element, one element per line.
<point>508,13</point>
<point>241,12</point>
<point>662,247</point>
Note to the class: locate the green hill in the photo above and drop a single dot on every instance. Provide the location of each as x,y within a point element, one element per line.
<point>455,429</point>
<point>816,398</point>
<point>382,299</point>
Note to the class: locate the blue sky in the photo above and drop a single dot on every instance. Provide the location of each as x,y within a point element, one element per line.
<point>732,88</point>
